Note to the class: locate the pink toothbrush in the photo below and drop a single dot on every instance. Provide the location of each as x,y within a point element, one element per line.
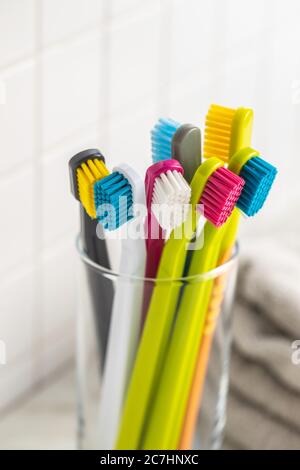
<point>167,197</point>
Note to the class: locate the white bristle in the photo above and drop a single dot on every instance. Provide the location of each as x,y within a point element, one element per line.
<point>170,199</point>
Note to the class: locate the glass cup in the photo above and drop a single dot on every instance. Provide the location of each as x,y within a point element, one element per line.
<point>96,296</point>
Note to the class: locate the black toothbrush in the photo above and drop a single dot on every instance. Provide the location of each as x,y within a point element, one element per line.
<point>95,248</point>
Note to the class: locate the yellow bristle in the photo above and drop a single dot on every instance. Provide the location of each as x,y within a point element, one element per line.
<point>217,136</point>
<point>87,175</point>
<point>102,168</point>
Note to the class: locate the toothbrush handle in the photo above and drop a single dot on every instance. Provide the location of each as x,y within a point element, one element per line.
<point>213,312</point>
<point>196,392</point>
<point>154,251</point>
<point>169,405</point>
<point>122,342</point>
<point>101,292</point>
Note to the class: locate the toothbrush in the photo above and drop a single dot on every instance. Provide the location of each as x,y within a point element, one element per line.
<point>170,140</point>
<point>85,168</point>
<point>259,177</point>
<point>181,142</point>
<point>161,313</point>
<point>125,322</point>
<point>169,405</point>
<point>173,141</point>
<point>168,196</point>
<point>226,131</point>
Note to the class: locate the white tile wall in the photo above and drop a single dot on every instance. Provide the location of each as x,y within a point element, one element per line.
<point>58,306</point>
<point>17,310</point>
<point>119,7</point>
<point>123,138</point>
<point>133,62</point>
<point>17,313</point>
<point>77,74</point>
<point>17,20</point>
<point>61,18</point>
<point>17,216</point>
<point>55,189</point>
<point>17,116</point>
<point>71,84</point>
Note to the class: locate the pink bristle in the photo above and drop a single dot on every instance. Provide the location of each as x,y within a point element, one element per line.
<point>220,195</point>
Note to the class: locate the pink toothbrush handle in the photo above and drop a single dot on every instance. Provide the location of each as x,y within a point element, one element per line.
<point>154,250</point>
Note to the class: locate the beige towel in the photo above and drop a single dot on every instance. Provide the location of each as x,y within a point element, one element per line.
<point>254,384</point>
<point>251,428</point>
<point>264,400</point>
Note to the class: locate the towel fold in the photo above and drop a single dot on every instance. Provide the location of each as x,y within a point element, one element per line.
<point>264,398</point>
<point>255,385</point>
<point>269,280</point>
<point>257,340</point>
<point>254,429</point>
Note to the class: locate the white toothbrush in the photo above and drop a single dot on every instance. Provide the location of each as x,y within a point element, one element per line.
<point>125,321</point>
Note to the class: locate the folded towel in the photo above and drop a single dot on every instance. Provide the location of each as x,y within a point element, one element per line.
<point>257,340</point>
<point>269,279</point>
<point>264,399</point>
<point>252,428</point>
<point>254,384</point>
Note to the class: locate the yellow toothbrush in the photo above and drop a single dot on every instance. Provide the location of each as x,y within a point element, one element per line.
<point>258,176</point>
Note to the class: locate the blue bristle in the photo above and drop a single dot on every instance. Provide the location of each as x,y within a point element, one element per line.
<point>259,176</point>
<point>110,190</point>
<point>161,139</point>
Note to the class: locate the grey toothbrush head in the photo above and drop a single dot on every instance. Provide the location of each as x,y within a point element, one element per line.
<point>76,161</point>
<point>186,148</point>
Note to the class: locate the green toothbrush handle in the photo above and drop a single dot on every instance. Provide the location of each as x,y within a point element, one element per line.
<point>153,345</point>
<point>164,427</point>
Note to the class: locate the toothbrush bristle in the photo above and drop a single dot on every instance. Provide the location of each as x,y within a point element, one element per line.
<point>220,195</point>
<point>259,176</point>
<point>170,199</point>
<point>161,139</point>
<point>87,174</point>
<point>217,135</point>
<point>113,201</point>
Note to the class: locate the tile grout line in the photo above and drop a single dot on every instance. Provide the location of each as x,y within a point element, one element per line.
<point>104,88</point>
<point>164,78</point>
<point>38,326</point>
<point>66,41</point>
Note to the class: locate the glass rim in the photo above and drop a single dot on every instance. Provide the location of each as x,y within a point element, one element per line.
<point>212,274</point>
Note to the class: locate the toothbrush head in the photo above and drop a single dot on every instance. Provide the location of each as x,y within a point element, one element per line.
<point>168,194</point>
<point>161,139</point>
<point>116,196</point>
<point>113,200</point>
<point>227,131</point>
<point>186,148</point>
<point>85,168</point>
<point>220,195</point>
<point>181,142</point>
<point>259,176</point>
<point>217,190</point>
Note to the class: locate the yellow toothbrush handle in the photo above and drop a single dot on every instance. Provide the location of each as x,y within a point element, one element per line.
<point>212,315</point>
<point>165,422</point>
